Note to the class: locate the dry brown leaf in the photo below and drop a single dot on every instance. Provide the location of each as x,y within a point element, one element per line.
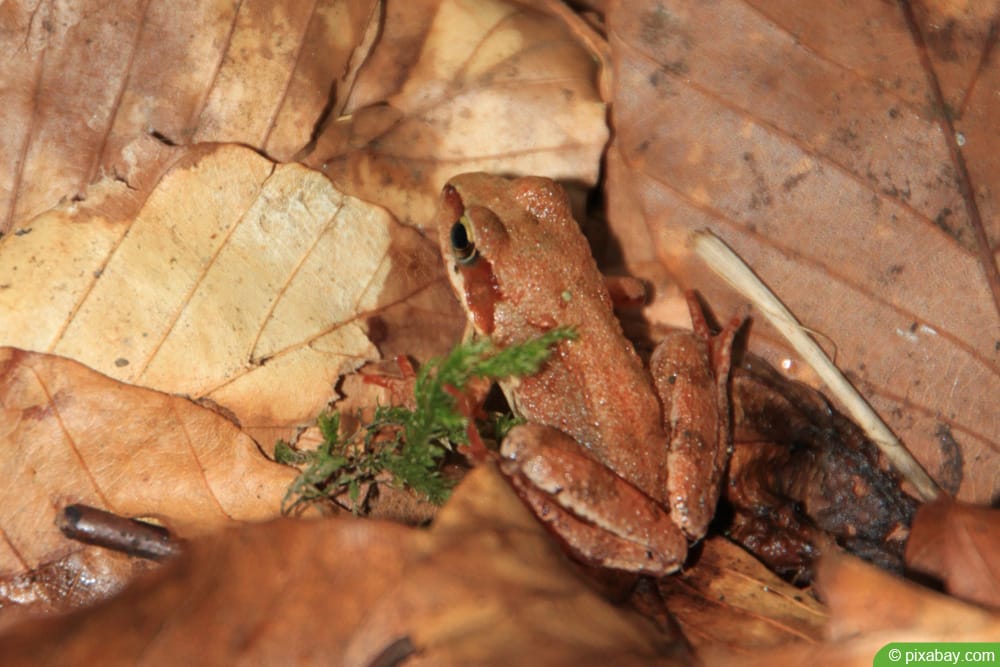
<point>83,79</point>
<point>865,600</point>
<point>484,586</point>
<point>83,577</point>
<point>72,435</point>
<point>480,85</point>
<point>816,144</point>
<point>286,592</point>
<point>868,609</point>
<point>79,579</point>
<point>207,265</point>
<point>728,601</point>
<point>237,281</point>
<point>958,544</point>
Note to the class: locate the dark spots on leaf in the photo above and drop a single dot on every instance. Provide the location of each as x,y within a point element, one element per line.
<point>661,81</point>
<point>121,362</point>
<point>760,195</point>
<point>894,113</point>
<point>658,28</point>
<point>848,138</point>
<point>678,67</point>
<point>942,222</point>
<point>892,190</point>
<point>950,473</point>
<point>789,183</point>
<point>892,272</point>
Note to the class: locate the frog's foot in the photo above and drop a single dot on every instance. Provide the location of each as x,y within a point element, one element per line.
<point>602,518</point>
<point>720,345</point>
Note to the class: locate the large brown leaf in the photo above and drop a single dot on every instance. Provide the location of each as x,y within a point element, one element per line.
<point>484,586</point>
<point>71,435</point>
<point>82,80</point>
<point>848,155</point>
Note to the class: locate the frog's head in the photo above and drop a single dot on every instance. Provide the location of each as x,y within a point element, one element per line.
<point>473,237</point>
<point>510,245</point>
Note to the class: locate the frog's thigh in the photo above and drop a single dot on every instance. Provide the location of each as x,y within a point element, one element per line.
<point>602,517</point>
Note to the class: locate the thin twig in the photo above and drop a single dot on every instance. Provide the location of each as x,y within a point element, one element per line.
<point>721,259</point>
<point>104,529</point>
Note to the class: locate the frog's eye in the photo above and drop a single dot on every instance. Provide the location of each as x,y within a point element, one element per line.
<point>462,246</point>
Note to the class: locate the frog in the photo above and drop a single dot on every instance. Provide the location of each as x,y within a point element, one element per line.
<point>622,461</point>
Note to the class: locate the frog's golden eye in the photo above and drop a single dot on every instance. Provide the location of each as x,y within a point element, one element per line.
<point>462,246</point>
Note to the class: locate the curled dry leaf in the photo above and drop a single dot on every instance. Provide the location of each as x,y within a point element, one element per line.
<point>868,609</point>
<point>82,80</point>
<point>484,586</point>
<point>482,85</point>
<point>728,601</point>
<point>847,155</point>
<point>238,281</point>
<point>958,544</point>
<point>83,577</point>
<point>72,435</point>
<point>803,478</point>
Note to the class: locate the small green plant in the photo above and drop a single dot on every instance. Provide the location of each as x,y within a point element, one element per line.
<point>408,444</point>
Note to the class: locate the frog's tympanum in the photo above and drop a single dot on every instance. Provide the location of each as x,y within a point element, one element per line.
<point>622,462</point>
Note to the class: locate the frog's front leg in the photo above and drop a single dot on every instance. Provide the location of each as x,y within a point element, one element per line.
<point>691,372</point>
<point>601,517</point>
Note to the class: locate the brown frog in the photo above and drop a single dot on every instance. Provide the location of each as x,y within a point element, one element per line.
<point>623,463</point>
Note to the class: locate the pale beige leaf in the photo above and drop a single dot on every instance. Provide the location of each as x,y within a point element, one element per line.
<point>237,281</point>
<point>483,85</point>
<point>70,435</point>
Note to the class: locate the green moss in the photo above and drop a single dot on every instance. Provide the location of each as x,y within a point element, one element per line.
<point>411,445</point>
